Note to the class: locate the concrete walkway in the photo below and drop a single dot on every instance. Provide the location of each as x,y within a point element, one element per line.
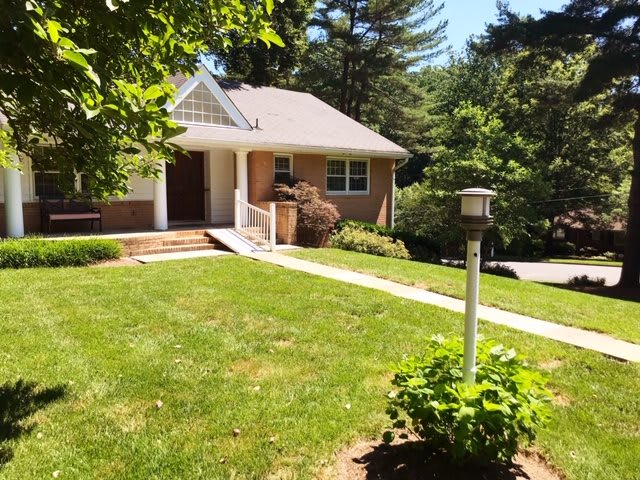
<point>573,336</point>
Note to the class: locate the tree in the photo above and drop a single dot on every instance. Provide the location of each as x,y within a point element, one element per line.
<point>90,78</point>
<point>474,149</point>
<point>614,28</point>
<point>363,44</point>
<point>258,64</point>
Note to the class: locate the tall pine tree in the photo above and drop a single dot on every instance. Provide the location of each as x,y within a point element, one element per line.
<point>614,27</point>
<point>364,47</point>
<point>259,64</point>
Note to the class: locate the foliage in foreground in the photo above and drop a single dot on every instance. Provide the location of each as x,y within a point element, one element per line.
<point>484,422</point>
<point>90,78</point>
<point>37,252</point>
<point>362,241</point>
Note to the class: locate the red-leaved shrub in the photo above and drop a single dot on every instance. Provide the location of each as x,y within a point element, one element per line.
<point>316,217</point>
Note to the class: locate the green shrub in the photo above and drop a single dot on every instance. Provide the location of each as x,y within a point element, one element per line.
<point>482,422</point>
<point>420,248</point>
<point>366,226</point>
<point>589,252</point>
<point>564,249</point>
<point>358,240</point>
<point>586,281</point>
<point>38,252</point>
<point>499,270</point>
<point>610,255</point>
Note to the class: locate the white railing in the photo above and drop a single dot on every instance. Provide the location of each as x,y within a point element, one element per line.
<point>255,223</point>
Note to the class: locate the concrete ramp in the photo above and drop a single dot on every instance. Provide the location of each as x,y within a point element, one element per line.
<point>234,241</point>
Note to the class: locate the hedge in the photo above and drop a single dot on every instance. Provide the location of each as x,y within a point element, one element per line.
<point>39,252</point>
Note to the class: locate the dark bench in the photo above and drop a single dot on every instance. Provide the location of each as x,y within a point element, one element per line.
<point>61,209</point>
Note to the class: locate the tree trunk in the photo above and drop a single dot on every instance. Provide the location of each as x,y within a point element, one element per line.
<point>630,277</point>
<point>344,83</point>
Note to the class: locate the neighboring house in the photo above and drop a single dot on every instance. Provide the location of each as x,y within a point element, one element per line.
<point>604,238</point>
<point>243,137</point>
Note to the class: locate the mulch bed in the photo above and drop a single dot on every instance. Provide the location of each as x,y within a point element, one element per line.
<point>119,262</point>
<point>410,460</point>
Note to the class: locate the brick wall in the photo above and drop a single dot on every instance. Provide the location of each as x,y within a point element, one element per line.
<point>286,221</point>
<point>374,207</point>
<point>122,215</point>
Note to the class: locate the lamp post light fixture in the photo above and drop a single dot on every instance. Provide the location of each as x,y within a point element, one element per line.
<point>475,218</point>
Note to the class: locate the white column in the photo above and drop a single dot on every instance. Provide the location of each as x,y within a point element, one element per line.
<point>242,176</point>
<point>13,201</point>
<point>471,307</point>
<point>160,216</point>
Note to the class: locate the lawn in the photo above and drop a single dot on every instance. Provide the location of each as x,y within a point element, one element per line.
<point>618,318</point>
<point>579,261</point>
<point>87,352</point>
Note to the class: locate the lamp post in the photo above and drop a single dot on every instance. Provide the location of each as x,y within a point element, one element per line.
<point>475,219</point>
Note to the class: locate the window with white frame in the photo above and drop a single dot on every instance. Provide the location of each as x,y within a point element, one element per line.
<point>282,168</point>
<point>49,182</point>
<point>347,176</point>
<point>201,106</point>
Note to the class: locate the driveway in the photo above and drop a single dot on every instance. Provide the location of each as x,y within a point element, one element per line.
<point>560,272</point>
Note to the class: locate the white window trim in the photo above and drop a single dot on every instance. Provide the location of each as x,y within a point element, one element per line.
<point>348,192</point>
<point>289,156</point>
<point>32,180</point>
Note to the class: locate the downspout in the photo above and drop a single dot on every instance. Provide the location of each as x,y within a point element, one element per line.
<point>399,164</point>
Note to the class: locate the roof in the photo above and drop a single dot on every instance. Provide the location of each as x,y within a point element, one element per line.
<point>289,120</point>
<point>577,219</point>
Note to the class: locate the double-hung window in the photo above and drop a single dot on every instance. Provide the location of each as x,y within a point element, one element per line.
<point>51,183</point>
<point>282,168</point>
<point>347,177</point>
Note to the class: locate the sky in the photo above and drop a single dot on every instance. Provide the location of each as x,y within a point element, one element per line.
<point>468,17</point>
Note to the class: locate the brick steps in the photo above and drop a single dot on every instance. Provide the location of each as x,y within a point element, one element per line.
<point>169,242</point>
<point>175,249</point>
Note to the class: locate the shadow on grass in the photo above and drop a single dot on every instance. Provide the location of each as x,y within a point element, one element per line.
<point>618,293</point>
<point>415,461</point>
<point>18,401</point>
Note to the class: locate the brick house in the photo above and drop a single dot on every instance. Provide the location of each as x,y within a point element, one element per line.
<point>239,137</point>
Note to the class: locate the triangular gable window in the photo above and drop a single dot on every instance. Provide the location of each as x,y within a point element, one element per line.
<point>201,106</point>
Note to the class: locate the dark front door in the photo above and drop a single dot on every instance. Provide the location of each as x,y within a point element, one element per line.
<point>185,188</point>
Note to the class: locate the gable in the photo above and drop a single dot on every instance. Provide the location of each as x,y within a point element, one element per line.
<point>201,101</point>
<point>201,106</point>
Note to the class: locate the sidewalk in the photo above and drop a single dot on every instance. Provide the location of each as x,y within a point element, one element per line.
<point>598,342</point>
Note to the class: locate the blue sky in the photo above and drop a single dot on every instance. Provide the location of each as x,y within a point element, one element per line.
<point>468,17</point>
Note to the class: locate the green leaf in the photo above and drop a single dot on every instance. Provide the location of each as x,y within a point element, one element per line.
<point>388,436</point>
<point>53,28</point>
<point>76,59</point>
<point>271,37</point>
<point>268,4</point>
<point>466,413</point>
<point>153,92</point>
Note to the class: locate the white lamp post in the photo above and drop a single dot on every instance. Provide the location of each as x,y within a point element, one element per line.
<point>475,219</point>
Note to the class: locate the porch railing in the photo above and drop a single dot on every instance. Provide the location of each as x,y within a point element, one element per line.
<point>254,223</point>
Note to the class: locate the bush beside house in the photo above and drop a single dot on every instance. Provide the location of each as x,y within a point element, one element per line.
<point>362,241</point>
<point>316,217</point>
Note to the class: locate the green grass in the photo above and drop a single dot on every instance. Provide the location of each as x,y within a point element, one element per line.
<point>101,344</point>
<point>615,317</point>
<point>579,261</point>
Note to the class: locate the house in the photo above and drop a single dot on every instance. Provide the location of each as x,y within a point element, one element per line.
<point>239,137</point>
<point>583,229</point>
